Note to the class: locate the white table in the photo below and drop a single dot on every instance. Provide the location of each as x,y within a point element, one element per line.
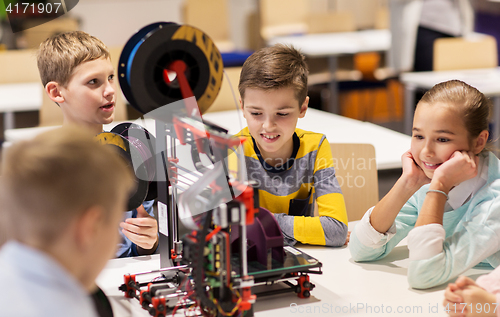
<point>17,98</point>
<point>389,145</point>
<point>486,80</point>
<point>332,45</point>
<point>345,288</point>
<point>14,135</point>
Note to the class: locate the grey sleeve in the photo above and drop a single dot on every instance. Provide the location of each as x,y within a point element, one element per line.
<point>286,224</point>
<point>335,231</point>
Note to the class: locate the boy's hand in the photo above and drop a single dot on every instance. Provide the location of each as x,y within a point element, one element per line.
<point>461,166</point>
<point>464,281</point>
<point>466,298</point>
<point>483,302</point>
<point>348,237</point>
<point>477,302</point>
<point>143,230</point>
<point>415,176</point>
<point>452,300</point>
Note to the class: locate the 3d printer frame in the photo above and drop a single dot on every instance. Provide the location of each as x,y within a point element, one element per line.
<point>206,271</point>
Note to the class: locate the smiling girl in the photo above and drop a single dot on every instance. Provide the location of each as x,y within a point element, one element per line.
<point>445,200</point>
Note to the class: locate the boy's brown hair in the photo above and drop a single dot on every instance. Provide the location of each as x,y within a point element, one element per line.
<point>60,54</point>
<point>278,66</point>
<point>50,180</point>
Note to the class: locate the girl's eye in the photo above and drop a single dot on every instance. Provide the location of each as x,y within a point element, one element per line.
<point>255,113</point>
<point>111,77</point>
<point>282,114</point>
<point>93,81</point>
<point>418,137</point>
<point>443,139</point>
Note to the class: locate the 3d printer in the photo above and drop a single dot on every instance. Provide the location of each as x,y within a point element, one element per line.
<point>172,73</point>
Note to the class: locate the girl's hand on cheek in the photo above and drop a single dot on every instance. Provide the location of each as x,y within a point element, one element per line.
<point>461,166</point>
<point>415,176</point>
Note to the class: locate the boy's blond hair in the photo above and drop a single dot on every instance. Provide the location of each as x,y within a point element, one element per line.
<point>50,180</point>
<point>60,54</point>
<point>278,66</point>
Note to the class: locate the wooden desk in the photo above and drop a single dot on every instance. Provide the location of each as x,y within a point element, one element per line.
<point>485,80</point>
<point>332,45</point>
<point>345,288</point>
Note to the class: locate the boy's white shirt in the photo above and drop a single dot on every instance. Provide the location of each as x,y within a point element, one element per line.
<point>425,241</point>
<point>39,285</point>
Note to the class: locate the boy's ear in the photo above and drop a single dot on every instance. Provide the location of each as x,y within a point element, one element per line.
<point>481,141</point>
<point>87,227</point>
<point>303,107</point>
<point>241,105</point>
<point>54,91</point>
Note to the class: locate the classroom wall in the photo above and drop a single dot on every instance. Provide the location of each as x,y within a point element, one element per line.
<point>114,21</point>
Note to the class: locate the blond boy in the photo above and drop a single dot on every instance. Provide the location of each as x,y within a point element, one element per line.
<point>61,195</point>
<point>76,71</point>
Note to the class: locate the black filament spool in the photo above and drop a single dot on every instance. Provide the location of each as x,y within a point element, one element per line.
<point>152,49</point>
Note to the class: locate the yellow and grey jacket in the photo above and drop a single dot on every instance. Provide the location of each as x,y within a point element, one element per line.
<point>290,190</point>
